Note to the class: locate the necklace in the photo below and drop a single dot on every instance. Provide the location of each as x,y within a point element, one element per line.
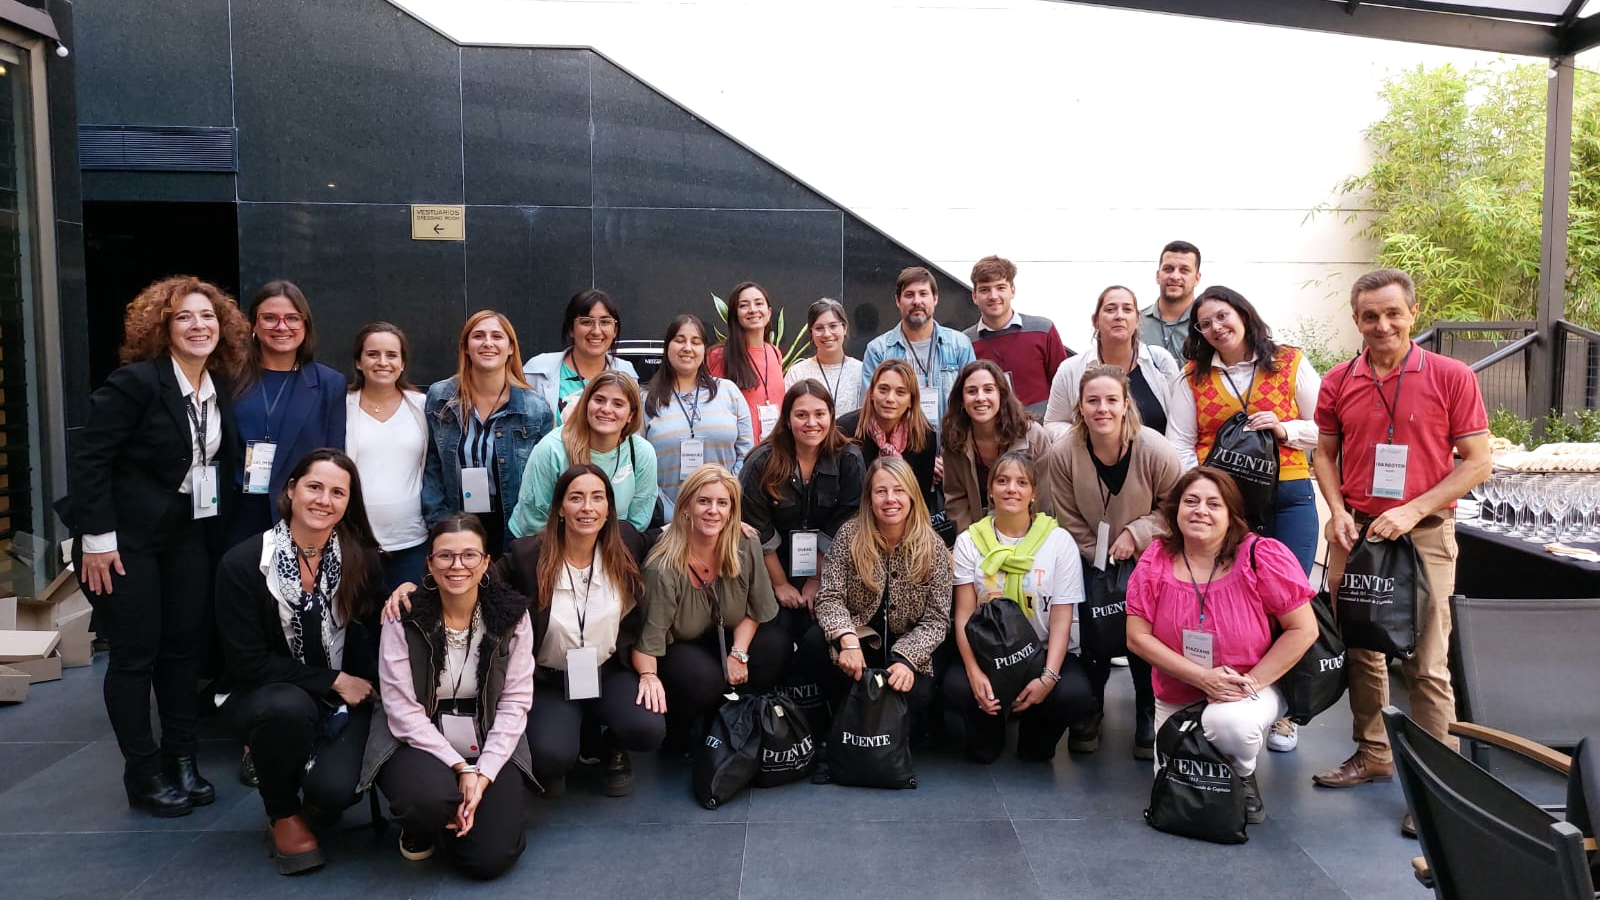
<point>457,639</point>
<point>306,552</point>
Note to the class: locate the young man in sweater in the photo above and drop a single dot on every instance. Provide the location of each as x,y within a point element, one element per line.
<point>1027,348</point>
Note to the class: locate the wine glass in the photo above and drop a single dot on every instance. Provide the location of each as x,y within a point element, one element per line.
<point>1538,500</point>
<point>1587,500</point>
<point>1493,509</point>
<point>1515,490</point>
<point>1559,499</point>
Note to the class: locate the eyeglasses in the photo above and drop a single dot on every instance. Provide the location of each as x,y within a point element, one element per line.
<point>605,322</point>
<point>292,321</point>
<point>447,559</point>
<point>1217,321</point>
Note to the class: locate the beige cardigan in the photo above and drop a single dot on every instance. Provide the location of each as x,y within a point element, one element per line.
<point>1152,473</point>
<point>962,501</point>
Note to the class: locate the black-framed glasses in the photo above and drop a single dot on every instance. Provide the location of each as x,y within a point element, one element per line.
<point>446,559</point>
<point>292,321</point>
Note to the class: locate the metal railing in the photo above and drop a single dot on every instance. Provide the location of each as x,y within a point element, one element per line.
<point>1577,367</point>
<point>1500,353</point>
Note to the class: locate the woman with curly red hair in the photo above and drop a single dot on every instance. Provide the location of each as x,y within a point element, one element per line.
<point>147,499</point>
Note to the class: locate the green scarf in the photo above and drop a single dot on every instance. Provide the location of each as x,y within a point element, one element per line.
<point>1013,560</point>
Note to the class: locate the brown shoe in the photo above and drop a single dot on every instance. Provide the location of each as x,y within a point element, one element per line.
<point>1408,826</point>
<point>1358,769</point>
<point>293,847</point>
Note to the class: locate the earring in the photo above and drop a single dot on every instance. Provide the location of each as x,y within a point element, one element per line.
<point>425,584</point>
<point>484,581</point>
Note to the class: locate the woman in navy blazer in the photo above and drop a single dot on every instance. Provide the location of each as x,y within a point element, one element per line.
<point>147,498</point>
<point>284,399</point>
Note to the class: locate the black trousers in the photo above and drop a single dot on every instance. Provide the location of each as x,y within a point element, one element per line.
<point>154,619</point>
<point>1039,727</point>
<point>691,671</point>
<point>1099,672</point>
<point>282,726</point>
<point>424,794</point>
<point>814,658</point>
<point>555,723</point>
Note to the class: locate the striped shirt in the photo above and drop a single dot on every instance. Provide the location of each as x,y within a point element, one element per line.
<point>477,444</point>
<point>722,423</point>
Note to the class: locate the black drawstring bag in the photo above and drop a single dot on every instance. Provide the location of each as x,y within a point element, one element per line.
<point>1251,457</point>
<point>1006,647</point>
<point>730,757</point>
<point>870,745</point>
<point>1380,596</point>
<point>788,749</point>
<point>1319,679</point>
<point>1196,793</point>
<point>1103,614</point>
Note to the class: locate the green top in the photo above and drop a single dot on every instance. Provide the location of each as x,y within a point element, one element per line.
<point>676,610</point>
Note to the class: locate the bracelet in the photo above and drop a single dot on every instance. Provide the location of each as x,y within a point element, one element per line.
<point>843,648</point>
<point>1054,678</point>
<point>468,769</point>
<point>650,675</point>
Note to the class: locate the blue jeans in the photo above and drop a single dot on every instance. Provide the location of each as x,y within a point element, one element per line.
<point>401,566</point>
<point>1295,521</point>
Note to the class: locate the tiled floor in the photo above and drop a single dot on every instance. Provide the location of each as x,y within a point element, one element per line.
<point>1070,829</point>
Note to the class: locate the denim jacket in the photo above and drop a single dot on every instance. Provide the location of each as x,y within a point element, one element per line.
<point>954,351</point>
<point>526,420</point>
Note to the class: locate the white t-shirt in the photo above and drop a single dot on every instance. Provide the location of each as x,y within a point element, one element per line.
<point>602,609</point>
<point>389,456</point>
<point>1056,578</point>
<point>842,380</point>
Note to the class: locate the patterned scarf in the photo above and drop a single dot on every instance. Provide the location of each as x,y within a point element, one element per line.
<point>311,610</point>
<point>892,444</point>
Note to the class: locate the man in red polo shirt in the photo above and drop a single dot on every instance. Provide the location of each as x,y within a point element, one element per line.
<point>1027,348</point>
<point>1397,412</point>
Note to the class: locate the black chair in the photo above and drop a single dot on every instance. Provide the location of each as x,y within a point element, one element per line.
<point>1480,838</point>
<point>1528,668</point>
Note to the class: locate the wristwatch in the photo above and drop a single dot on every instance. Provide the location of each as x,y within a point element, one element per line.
<point>740,655</point>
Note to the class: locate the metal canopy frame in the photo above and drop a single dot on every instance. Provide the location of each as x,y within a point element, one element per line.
<point>1487,26</point>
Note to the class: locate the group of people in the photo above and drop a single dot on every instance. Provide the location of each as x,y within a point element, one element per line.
<point>456,596</point>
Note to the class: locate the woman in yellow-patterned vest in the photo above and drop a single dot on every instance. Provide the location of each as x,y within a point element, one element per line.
<point>1232,356</point>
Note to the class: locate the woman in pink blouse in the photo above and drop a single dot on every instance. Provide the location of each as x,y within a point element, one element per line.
<point>748,358</point>
<point>1201,607</point>
<point>456,679</point>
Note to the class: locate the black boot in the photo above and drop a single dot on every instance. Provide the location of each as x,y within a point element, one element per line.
<point>619,773</point>
<point>181,771</point>
<point>1084,736</point>
<point>1144,732</point>
<point>1254,811</point>
<point>156,794</point>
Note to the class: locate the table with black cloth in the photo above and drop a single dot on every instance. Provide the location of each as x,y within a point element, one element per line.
<point>1496,566</point>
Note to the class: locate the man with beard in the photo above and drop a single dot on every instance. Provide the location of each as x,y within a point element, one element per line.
<point>936,353</point>
<point>1165,323</point>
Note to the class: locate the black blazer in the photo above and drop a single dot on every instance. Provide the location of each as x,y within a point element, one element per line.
<point>921,461</point>
<point>518,568</point>
<point>253,644</point>
<point>135,451</point>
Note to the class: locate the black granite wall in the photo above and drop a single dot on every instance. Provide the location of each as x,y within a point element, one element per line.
<point>574,173</point>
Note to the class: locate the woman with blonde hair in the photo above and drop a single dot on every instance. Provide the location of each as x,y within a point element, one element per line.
<point>603,429</point>
<point>885,597</point>
<point>484,413</point>
<point>708,600</point>
<point>891,423</point>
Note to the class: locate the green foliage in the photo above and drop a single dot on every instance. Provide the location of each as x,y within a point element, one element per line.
<point>1456,184</point>
<point>1507,424</point>
<point>1582,427</point>
<point>1316,339</point>
<point>798,345</point>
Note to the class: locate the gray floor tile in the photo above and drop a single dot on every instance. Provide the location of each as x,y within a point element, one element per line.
<point>947,789</point>
<point>662,794</point>
<point>922,860</point>
<point>71,709</point>
<point>19,762</point>
<point>46,866</point>
<point>235,864</point>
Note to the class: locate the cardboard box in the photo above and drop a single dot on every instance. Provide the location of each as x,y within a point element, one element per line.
<point>8,614</point>
<point>20,646</point>
<point>77,641</point>
<point>40,615</point>
<point>46,669</point>
<point>13,685</point>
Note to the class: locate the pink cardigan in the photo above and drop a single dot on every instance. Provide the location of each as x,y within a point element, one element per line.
<point>409,722</point>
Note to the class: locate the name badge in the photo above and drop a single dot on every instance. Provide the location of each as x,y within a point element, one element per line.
<point>462,733</point>
<point>930,405</point>
<point>803,554</point>
<point>258,456</point>
<point>1102,544</point>
<point>691,456</point>
<point>1197,647</point>
<point>475,490</point>
<point>203,491</point>
<point>583,673</point>
<point>1389,471</point>
<point>767,413</point>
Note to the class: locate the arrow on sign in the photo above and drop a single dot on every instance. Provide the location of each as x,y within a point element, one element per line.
<point>438,229</point>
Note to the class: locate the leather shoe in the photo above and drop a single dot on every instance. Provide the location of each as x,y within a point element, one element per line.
<point>1360,768</point>
<point>1408,826</point>
<point>157,795</point>
<point>186,776</point>
<point>293,847</point>
<point>1084,737</point>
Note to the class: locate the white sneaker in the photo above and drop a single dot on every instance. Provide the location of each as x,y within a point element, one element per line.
<point>1120,662</point>
<point>1283,737</point>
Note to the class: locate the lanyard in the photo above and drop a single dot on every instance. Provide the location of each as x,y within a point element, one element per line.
<point>1199,594</point>
<point>833,389</point>
<point>455,698</point>
<point>692,414</point>
<point>476,437</point>
<point>807,489</point>
<point>933,348</point>
<point>1244,398</point>
<point>1391,407</point>
<point>271,407</point>
<point>761,372</point>
<point>198,420</point>
<point>588,579</point>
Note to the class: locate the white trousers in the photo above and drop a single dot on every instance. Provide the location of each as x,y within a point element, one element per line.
<point>1237,728</point>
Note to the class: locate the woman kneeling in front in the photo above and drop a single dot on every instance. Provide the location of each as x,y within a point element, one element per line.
<point>456,680</point>
<point>1201,607</point>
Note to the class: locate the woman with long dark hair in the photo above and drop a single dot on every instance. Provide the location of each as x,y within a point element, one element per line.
<point>589,331</point>
<point>984,422</point>
<point>692,417</point>
<point>294,609</point>
<point>151,483</point>
<point>288,404</point>
<point>748,358</point>
<point>386,433</point>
